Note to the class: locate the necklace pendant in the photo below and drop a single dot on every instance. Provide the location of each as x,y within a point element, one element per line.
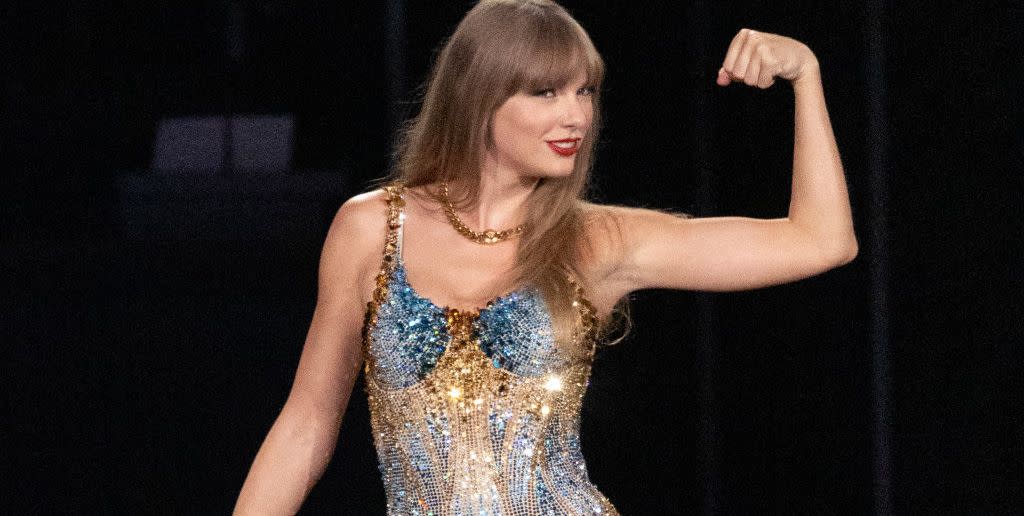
<point>490,236</point>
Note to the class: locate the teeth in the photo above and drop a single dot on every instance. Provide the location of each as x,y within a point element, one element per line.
<point>565,145</point>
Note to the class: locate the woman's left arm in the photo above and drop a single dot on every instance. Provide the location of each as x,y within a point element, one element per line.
<point>741,253</point>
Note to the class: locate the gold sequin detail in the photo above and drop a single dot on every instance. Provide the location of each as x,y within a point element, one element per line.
<point>474,412</point>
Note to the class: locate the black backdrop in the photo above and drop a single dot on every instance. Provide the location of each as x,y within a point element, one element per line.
<point>154,320</point>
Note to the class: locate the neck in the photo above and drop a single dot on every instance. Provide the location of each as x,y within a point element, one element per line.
<point>499,202</point>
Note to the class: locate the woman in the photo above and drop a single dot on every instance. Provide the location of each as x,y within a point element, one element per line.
<point>477,343</point>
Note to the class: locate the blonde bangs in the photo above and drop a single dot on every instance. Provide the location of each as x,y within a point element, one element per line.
<point>556,55</point>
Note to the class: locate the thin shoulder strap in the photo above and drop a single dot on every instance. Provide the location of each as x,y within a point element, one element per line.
<point>587,323</point>
<point>401,223</point>
<point>395,203</point>
<point>392,242</point>
<point>396,214</point>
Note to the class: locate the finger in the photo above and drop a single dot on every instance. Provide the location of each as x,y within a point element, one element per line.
<point>769,67</point>
<point>723,78</point>
<point>767,76</point>
<point>734,51</point>
<point>753,73</point>
<point>743,60</point>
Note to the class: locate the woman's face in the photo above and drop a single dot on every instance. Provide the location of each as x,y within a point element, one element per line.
<point>538,133</point>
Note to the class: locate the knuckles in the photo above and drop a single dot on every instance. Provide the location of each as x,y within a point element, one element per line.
<point>759,47</point>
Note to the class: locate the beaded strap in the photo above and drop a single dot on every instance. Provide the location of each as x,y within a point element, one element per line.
<point>587,323</point>
<point>395,203</point>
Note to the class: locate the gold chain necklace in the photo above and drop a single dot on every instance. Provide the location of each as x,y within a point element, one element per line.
<point>487,236</point>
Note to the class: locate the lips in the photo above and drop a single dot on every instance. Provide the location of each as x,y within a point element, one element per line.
<point>566,147</point>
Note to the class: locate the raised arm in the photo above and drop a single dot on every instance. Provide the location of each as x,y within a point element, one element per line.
<point>301,441</point>
<point>739,253</point>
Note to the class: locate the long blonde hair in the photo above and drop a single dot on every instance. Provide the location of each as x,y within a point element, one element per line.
<point>500,48</point>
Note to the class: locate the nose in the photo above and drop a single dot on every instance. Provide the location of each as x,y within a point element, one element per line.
<point>574,112</point>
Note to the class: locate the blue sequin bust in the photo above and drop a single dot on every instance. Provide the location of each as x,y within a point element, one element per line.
<point>474,413</point>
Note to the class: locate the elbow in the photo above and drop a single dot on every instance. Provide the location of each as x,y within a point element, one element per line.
<point>843,254</point>
<point>850,249</point>
<point>834,249</point>
<point>854,249</point>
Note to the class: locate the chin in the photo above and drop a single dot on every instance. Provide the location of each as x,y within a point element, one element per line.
<point>562,171</point>
<point>553,171</point>
<point>553,174</point>
<point>568,170</point>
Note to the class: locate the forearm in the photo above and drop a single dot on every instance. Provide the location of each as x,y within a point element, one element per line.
<point>290,461</point>
<point>819,204</point>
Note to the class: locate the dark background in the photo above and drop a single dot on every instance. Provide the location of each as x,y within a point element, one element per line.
<point>154,318</point>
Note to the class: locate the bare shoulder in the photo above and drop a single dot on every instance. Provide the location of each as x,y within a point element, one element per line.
<point>354,243</point>
<point>631,214</point>
<point>616,225</point>
<point>611,224</point>
<point>360,221</point>
<point>612,232</point>
<point>363,207</point>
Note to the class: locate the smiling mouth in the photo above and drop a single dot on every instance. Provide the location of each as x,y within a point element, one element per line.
<point>566,147</point>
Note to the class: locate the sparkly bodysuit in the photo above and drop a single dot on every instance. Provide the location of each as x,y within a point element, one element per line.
<point>474,413</point>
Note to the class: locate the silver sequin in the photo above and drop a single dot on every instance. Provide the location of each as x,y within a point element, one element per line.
<point>473,413</point>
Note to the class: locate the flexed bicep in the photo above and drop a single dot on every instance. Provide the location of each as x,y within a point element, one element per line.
<point>662,250</point>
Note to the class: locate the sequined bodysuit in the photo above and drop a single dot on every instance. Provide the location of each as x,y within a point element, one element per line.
<point>474,413</point>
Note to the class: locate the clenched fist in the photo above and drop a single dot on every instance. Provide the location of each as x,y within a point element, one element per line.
<point>757,58</point>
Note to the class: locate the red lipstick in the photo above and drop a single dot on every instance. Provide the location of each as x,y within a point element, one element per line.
<point>565,149</point>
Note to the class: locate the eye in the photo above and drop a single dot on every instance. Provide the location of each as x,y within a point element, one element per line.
<point>587,91</point>
<point>548,93</point>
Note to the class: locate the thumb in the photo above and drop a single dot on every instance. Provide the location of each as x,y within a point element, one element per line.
<point>723,78</point>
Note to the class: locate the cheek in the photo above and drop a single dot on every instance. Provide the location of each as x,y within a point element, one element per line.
<point>523,130</point>
<point>511,136</point>
<point>530,123</point>
<point>509,124</point>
